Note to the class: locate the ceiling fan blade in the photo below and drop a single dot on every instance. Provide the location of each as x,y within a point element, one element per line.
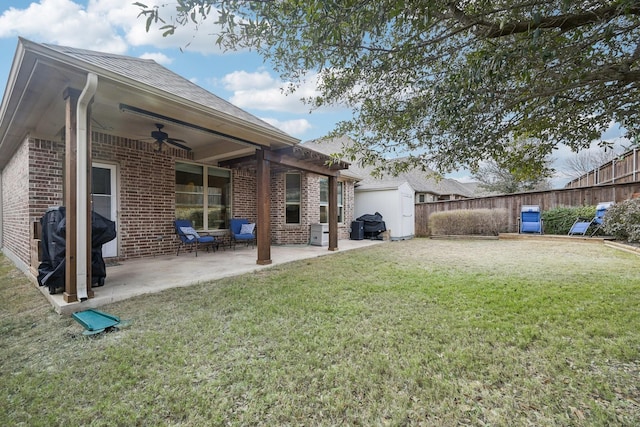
<point>177,144</point>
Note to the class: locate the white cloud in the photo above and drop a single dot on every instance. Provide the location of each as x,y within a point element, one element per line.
<point>201,39</point>
<point>160,58</point>
<point>63,22</point>
<point>260,91</point>
<point>104,25</point>
<point>296,127</point>
<point>243,81</point>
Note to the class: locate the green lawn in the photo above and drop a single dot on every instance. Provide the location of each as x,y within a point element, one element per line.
<point>422,332</point>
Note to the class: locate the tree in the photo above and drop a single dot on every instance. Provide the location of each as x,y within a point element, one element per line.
<point>450,82</point>
<point>584,162</point>
<point>497,176</point>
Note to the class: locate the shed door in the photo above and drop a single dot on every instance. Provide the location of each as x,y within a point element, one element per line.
<point>408,209</point>
<point>104,201</point>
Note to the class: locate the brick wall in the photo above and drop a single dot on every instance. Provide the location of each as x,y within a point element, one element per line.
<point>244,184</point>
<point>146,193</point>
<point>33,181</point>
<point>283,233</point>
<point>146,189</point>
<point>15,204</point>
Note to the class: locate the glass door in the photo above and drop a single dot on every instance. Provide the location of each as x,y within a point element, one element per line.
<point>104,201</point>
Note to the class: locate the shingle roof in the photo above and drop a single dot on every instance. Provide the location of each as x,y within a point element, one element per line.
<point>420,181</point>
<point>150,73</point>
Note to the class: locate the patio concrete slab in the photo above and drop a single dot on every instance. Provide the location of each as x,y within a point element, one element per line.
<point>136,277</point>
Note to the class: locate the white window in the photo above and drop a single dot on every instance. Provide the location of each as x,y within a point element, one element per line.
<point>292,198</point>
<point>192,183</point>
<point>324,200</point>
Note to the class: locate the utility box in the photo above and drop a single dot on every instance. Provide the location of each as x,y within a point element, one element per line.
<point>320,234</point>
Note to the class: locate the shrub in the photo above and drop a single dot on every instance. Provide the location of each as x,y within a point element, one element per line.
<point>486,222</point>
<point>622,221</point>
<point>559,220</point>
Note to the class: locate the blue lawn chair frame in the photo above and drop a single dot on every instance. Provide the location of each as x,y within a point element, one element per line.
<point>598,220</point>
<point>580,226</point>
<point>189,237</point>
<point>530,219</point>
<point>235,229</point>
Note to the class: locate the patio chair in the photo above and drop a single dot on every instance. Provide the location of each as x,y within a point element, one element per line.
<point>190,237</point>
<point>598,220</point>
<point>530,219</point>
<point>242,231</point>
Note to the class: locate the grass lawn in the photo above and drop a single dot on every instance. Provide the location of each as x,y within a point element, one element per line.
<point>422,332</point>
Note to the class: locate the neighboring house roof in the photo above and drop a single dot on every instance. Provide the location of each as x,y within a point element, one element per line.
<point>329,146</point>
<point>420,181</point>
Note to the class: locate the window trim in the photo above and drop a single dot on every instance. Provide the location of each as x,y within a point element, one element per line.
<point>297,203</point>
<point>340,199</point>
<point>205,192</point>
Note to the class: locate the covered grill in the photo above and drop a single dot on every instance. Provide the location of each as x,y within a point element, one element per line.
<point>373,225</point>
<point>51,270</point>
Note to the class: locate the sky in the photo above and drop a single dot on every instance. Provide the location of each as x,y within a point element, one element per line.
<point>241,78</point>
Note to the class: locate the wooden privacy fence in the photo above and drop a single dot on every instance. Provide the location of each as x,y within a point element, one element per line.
<point>567,197</point>
<point>625,168</point>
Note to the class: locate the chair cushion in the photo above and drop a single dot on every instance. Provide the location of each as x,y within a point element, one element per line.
<point>189,233</point>
<point>247,228</point>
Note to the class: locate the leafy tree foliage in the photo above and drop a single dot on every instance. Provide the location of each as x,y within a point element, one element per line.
<point>451,82</point>
<point>498,176</point>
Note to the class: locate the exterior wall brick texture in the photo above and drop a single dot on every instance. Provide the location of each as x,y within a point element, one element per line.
<point>15,204</point>
<point>34,181</point>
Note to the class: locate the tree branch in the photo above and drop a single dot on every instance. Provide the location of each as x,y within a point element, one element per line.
<point>564,22</point>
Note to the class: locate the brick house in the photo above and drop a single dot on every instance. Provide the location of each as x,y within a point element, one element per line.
<point>76,131</point>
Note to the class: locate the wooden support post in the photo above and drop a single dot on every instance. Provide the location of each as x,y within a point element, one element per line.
<point>333,213</point>
<point>263,188</point>
<point>70,174</point>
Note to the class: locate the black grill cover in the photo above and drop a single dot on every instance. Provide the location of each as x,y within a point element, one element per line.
<point>51,270</point>
<point>373,223</point>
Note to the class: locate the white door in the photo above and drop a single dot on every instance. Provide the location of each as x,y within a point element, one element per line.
<point>104,201</point>
<point>408,219</point>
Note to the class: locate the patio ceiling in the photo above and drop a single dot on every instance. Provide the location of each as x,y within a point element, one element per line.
<point>296,157</point>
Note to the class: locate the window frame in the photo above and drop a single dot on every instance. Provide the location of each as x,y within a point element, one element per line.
<point>297,202</point>
<point>205,193</point>
<point>325,204</point>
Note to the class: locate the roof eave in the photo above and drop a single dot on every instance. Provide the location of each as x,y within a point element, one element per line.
<point>135,85</point>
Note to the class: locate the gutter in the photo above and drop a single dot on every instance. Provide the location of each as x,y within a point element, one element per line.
<point>82,208</point>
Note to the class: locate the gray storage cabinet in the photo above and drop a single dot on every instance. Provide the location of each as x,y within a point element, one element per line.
<point>320,234</point>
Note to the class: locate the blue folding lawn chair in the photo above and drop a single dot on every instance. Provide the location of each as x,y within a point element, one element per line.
<point>582,225</point>
<point>598,220</point>
<point>530,219</point>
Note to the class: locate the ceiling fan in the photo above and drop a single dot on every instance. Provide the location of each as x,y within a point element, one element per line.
<point>162,137</point>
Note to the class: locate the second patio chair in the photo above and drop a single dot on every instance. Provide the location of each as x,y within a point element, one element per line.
<point>242,231</point>
<point>190,237</point>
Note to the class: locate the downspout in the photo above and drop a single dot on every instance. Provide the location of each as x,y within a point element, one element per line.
<point>82,207</point>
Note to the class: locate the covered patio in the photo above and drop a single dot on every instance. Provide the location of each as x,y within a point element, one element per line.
<point>131,278</point>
